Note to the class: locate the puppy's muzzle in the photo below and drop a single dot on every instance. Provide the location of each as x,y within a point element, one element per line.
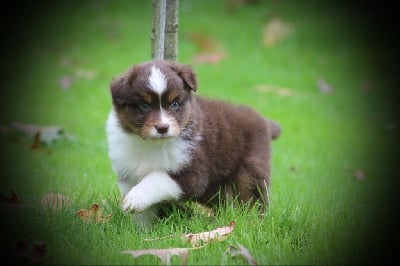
<point>162,128</point>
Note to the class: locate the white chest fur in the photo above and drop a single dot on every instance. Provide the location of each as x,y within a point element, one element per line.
<point>133,157</point>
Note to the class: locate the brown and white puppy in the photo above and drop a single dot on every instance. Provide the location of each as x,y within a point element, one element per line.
<point>167,144</point>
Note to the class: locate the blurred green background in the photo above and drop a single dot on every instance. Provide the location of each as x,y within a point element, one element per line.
<point>323,70</point>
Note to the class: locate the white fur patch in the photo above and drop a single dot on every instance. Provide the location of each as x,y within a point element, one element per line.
<point>133,158</point>
<point>157,81</point>
<point>154,188</point>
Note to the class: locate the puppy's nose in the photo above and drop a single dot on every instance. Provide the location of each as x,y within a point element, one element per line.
<point>162,128</point>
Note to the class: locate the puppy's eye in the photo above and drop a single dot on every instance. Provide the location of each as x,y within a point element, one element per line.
<point>174,106</point>
<point>144,107</point>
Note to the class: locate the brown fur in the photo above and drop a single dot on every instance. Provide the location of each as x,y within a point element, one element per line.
<point>234,153</point>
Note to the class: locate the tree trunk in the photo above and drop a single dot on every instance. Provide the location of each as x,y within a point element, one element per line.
<point>164,37</point>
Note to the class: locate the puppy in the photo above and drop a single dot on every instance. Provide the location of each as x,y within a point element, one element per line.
<point>167,144</point>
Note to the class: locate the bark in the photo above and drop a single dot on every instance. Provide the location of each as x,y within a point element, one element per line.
<point>167,49</point>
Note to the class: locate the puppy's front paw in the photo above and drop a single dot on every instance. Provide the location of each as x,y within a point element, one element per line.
<point>134,201</point>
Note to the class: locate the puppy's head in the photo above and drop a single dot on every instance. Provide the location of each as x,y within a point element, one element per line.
<point>153,99</point>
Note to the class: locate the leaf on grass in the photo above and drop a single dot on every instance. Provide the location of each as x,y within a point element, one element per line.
<point>54,201</point>
<point>210,50</point>
<point>210,57</point>
<point>164,254</point>
<point>275,31</point>
<point>217,234</point>
<point>324,86</point>
<point>94,213</point>
<point>66,82</point>
<point>41,134</point>
<point>9,200</point>
<point>243,252</point>
<point>359,175</point>
<point>204,42</point>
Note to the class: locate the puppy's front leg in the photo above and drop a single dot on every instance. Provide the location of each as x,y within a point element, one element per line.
<point>154,188</point>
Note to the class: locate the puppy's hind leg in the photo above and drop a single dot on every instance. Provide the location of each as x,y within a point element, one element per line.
<point>253,178</point>
<point>251,184</point>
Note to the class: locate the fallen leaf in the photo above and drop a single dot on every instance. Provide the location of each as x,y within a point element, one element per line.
<point>203,42</point>
<point>11,199</point>
<point>359,175</point>
<point>217,234</point>
<point>54,201</point>
<point>36,142</point>
<point>94,213</point>
<point>66,82</point>
<point>324,87</point>
<point>164,254</point>
<point>210,57</point>
<point>210,51</point>
<point>242,251</point>
<point>275,31</point>
<point>45,134</point>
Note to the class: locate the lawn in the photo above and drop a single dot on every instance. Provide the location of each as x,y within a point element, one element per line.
<point>326,82</point>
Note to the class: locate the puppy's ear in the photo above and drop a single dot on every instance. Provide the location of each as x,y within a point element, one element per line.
<point>187,74</point>
<point>118,90</point>
<point>120,86</point>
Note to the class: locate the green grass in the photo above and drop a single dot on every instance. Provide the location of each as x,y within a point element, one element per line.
<point>319,212</point>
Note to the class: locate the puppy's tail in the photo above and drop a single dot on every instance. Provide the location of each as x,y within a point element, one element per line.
<point>274,129</point>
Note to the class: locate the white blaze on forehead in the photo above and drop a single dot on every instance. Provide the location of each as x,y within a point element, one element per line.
<point>157,81</point>
<point>164,118</point>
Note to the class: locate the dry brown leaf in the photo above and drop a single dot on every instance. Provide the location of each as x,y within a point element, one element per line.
<point>94,213</point>
<point>276,30</point>
<point>242,251</point>
<point>45,134</point>
<point>164,254</point>
<point>54,201</point>
<point>36,142</point>
<point>217,234</point>
<point>210,50</point>
<point>204,42</point>
<point>210,57</point>
<point>10,199</point>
